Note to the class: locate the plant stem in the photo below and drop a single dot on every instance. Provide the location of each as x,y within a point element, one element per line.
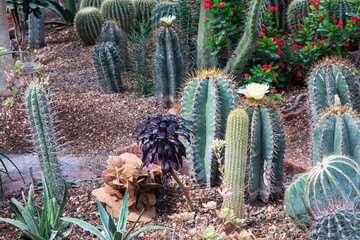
<point>176,178</point>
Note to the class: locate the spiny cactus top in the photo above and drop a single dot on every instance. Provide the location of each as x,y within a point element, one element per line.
<point>88,22</point>
<point>122,11</point>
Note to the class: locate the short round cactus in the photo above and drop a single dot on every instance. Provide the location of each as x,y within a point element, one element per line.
<point>88,23</point>
<point>144,9</point>
<point>164,10</point>
<point>295,8</point>
<point>90,3</point>
<point>122,11</point>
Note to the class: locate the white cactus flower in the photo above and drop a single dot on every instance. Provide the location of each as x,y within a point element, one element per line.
<point>255,90</point>
<point>168,20</point>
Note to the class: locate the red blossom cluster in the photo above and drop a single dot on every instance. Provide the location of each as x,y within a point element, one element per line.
<point>267,67</point>
<point>316,3</point>
<point>301,15</point>
<point>272,9</point>
<point>340,24</point>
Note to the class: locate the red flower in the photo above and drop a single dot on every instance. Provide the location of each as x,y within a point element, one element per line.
<point>265,67</point>
<point>206,19</point>
<point>247,75</point>
<point>340,24</point>
<point>270,67</point>
<point>280,52</point>
<point>321,17</point>
<point>313,43</point>
<point>305,49</point>
<point>316,3</point>
<point>301,15</point>
<point>293,48</point>
<point>281,65</point>
<point>284,112</point>
<point>300,26</point>
<point>207,5</point>
<point>272,9</point>
<point>214,5</point>
<point>274,90</point>
<point>233,54</point>
<point>222,4</point>
<point>299,74</point>
<point>334,17</point>
<point>147,49</point>
<point>353,19</point>
<point>232,15</point>
<point>261,35</point>
<point>275,80</point>
<point>206,1</point>
<point>346,44</point>
<point>245,12</point>
<point>263,29</point>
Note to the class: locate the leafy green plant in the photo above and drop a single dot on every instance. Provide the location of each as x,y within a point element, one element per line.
<point>141,50</point>
<point>109,230</point>
<point>4,170</point>
<point>40,223</point>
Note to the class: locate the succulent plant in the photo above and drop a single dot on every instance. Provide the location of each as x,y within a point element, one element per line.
<point>337,132</point>
<point>169,61</point>
<point>295,8</point>
<point>280,15</point>
<point>110,32</point>
<point>43,136</point>
<point>88,22</point>
<point>144,9</point>
<point>207,101</point>
<point>334,179</point>
<point>37,29</point>
<point>164,10</point>
<point>90,3</point>
<point>341,10</point>
<point>122,11</point>
<point>237,132</point>
<point>108,66</point>
<point>329,77</point>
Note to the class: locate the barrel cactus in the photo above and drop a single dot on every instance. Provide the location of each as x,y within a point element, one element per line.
<point>237,132</point>
<point>91,3</point>
<point>37,29</point>
<point>337,132</point>
<point>43,136</point>
<point>164,10</point>
<point>335,179</point>
<point>207,100</point>
<point>122,11</point>
<point>296,8</point>
<point>144,9</point>
<point>329,77</point>
<point>266,144</point>
<point>341,222</point>
<point>280,15</point>
<point>112,33</point>
<point>88,23</point>
<point>108,66</point>
<point>169,61</point>
<point>342,9</point>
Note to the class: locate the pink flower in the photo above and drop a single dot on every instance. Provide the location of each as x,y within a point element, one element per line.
<point>247,75</point>
<point>274,90</point>
<point>206,19</point>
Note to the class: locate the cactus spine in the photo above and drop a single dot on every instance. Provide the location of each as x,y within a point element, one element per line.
<point>340,223</point>
<point>295,8</point>
<point>43,136</point>
<point>122,11</point>
<point>37,29</point>
<point>90,3</point>
<point>267,145</point>
<point>207,101</point>
<point>337,132</point>
<point>169,62</point>
<point>88,23</point>
<point>108,66</point>
<point>112,33</point>
<point>144,9</point>
<point>335,179</point>
<point>164,10</point>
<point>330,77</point>
<point>280,15</point>
<point>237,131</point>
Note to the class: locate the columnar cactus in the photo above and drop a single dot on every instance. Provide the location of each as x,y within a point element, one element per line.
<point>88,23</point>
<point>108,67</point>
<point>334,179</point>
<point>164,10</point>
<point>122,11</point>
<point>112,33</point>
<point>280,15</point>
<point>37,29</point>
<point>91,3</point>
<point>332,76</point>
<point>266,145</point>
<point>337,132</point>
<point>339,223</point>
<point>237,132</point>
<point>207,101</point>
<point>144,9</point>
<point>295,8</point>
<point>169,61</point>
<point>43,136</point>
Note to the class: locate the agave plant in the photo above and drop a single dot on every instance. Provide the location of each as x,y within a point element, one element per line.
<point>40,223</point>
<point>160,144</point>
<point>4,170</point>
<point>109,230</point>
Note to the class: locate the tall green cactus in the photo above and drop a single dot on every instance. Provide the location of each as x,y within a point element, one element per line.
<point>337,132</point>
<point>247,43</point>
<point>295,8</point>
<point>112,33</point>
<point>37,29</point>
<point>144,9</point>
<point>169,62</point>
<point>88,23</point>
<point>207,101</point>
<point>339,223</point>
<point>43,136</point>
<point>280,15</point>
<point>122,11</point>
<point>108,66</point>
<point>164,10</point>
<point>237,132</point>
<point>332,76</point>
<point>267,146</point>
<point>90,3</point>
<point>335,179</point>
